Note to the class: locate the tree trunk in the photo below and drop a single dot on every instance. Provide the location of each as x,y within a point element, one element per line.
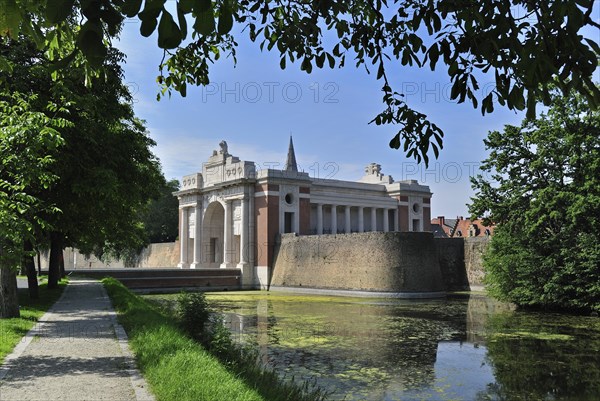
<point>39,260</point>
<point>29,266</point>
<point>9,302</point>
<point>62,265</point>
<point>56,249</point>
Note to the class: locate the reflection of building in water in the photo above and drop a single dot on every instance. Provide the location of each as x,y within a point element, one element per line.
<point>380,347</point>
<point>397,350</point>
<point>231,213</point>
<point>479,310</point>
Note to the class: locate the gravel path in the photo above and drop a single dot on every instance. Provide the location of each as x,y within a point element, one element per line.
<point>78,351</point>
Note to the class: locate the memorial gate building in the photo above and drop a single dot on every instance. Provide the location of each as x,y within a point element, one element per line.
<point>230,214</point>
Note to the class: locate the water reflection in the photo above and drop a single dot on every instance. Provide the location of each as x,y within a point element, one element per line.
<point>454,349</point>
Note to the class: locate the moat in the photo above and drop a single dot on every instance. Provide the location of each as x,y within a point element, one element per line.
<point>460,348</point>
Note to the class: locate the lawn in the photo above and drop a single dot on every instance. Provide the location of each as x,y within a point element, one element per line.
<point>13,330</point>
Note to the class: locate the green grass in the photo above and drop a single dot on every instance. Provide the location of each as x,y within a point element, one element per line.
<point>13,330</point>
<point>178,368</point>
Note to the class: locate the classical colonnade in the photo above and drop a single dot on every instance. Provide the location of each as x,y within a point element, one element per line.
<point>361,215</point>
<point>206,224</point>
<point>196,213</point>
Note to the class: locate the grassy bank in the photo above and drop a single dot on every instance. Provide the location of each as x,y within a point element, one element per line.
<point>178,368</point>
<point>12,330</point>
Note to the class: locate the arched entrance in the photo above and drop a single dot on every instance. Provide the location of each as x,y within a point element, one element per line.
<point>213,234</point>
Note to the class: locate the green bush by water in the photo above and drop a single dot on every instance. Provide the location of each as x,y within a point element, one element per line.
<point>242,360</point>
<point>193,313</point>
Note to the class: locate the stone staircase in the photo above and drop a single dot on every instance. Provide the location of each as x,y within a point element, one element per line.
<point>169,279</point>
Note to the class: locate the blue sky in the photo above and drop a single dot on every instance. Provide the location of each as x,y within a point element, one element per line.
<point>255,106</point>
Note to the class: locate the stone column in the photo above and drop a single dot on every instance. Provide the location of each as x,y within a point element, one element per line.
<point>183,239</point>
<point>334,219</point>
<point>244,234</point>
<point>197,237</point>
<point>227,235</point>
<point>373,219</point>
<point>361,219</point>
<point>386,221</point>
<point>252,229</point>
<point>348,221</point>
<point>396,222</point>
<point>319,218</point>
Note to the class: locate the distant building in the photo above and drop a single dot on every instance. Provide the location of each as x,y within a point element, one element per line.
<point>460,227</point>
<point>231,213</point>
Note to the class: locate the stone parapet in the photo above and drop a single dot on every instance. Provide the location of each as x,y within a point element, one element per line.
<point>372,261</point>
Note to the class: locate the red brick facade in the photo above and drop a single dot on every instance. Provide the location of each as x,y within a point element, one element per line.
<point>267,227</point>
<point>403,217</point>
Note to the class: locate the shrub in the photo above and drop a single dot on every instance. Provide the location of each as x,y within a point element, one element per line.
<point>194,314</point>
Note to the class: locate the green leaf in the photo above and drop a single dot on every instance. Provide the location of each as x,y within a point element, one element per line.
<point>225,19</point>
<point>205,23</point>
<point>331,60</point>
<point>112,18</point>
<point>182,22</point>
<point>306,65</point>
<point>5,65</point>
<point>320,59</point>
<point>531,103</point>
<point>149,16</point>
<point>395,142</point>
<point>380,71</point>
<point>33,30</point>
<point>201,6</point>
<point>594,46</point>
<point>91,9</point>
<point>436,151</point>
<point>58,10</point>
<point>131,7</point>
<point>186,6</point>
<point>90,42</point>
<point>169,35</point>
<point>63,62</point>
<point>433,55</point>
<point>10,19</point>
<point>148,26</point>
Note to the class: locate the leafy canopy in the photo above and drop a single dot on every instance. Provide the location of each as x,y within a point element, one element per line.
<point>525,45</point>
<point>29,141</point>
<point>161,219</point>
<point>105,172</point>
<point>544,194</point>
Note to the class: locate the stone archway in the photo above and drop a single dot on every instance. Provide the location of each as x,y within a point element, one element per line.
<point>213,228</point>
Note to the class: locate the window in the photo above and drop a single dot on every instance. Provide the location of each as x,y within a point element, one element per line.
<point>288,225</point>
<point>289,198</point>
<point>416,207</point>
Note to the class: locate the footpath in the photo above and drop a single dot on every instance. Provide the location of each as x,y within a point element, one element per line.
<point>77,351</point>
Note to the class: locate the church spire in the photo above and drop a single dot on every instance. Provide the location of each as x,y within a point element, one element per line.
<point>290,164</point>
